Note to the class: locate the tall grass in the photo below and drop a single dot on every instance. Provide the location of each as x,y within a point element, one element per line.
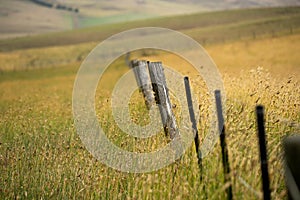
<point>41,155</point>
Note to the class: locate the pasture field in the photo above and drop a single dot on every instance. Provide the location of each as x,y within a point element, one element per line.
<point>23,17</point>
<point>206,28</point>
<point>42,157</point>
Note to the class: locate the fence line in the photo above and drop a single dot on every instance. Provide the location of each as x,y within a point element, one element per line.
<point>161,96</point>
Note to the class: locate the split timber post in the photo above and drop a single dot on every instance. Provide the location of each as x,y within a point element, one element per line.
<point>161,93</point>
<point>143,80</point>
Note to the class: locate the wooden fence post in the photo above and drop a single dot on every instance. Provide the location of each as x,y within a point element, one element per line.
<point>143,80</point>
<point>161,93</point>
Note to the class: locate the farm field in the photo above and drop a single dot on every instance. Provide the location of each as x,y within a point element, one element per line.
<point>206,28</point>
<point>41,155</point>
<point>23,17</point>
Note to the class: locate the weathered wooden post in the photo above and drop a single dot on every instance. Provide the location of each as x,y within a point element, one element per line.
<point>263,152</point>
<point>291,147</point>
<point>224,149</point>
<point>161,93</point>
<point>143,80</point>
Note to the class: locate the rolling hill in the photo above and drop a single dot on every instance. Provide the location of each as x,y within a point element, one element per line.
<point>209,27</point>
<point>24,17</point>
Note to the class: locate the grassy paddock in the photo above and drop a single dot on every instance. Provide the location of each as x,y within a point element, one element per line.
<point>41,155</point>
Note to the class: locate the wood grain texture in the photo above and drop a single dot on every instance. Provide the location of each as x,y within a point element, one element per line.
<point>161,92</point>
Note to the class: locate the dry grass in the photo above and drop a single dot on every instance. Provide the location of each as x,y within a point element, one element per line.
<point>277,55</point>
<point>41,156</point>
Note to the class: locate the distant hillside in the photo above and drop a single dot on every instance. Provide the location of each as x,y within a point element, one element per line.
<point>54,4</point>
<point>122,5</point>
<point>23,17</point>
<point>103,12</point>
<point>210,27</point>
<point>230,4</point>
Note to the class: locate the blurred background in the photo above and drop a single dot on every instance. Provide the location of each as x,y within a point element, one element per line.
<point>26,17</point>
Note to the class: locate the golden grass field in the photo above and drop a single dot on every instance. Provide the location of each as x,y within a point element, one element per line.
<point>42,157</point>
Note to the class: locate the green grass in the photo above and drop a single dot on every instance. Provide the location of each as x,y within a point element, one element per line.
<point>39,74</point>
<point>124,17</point>
<point>281,25</point>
